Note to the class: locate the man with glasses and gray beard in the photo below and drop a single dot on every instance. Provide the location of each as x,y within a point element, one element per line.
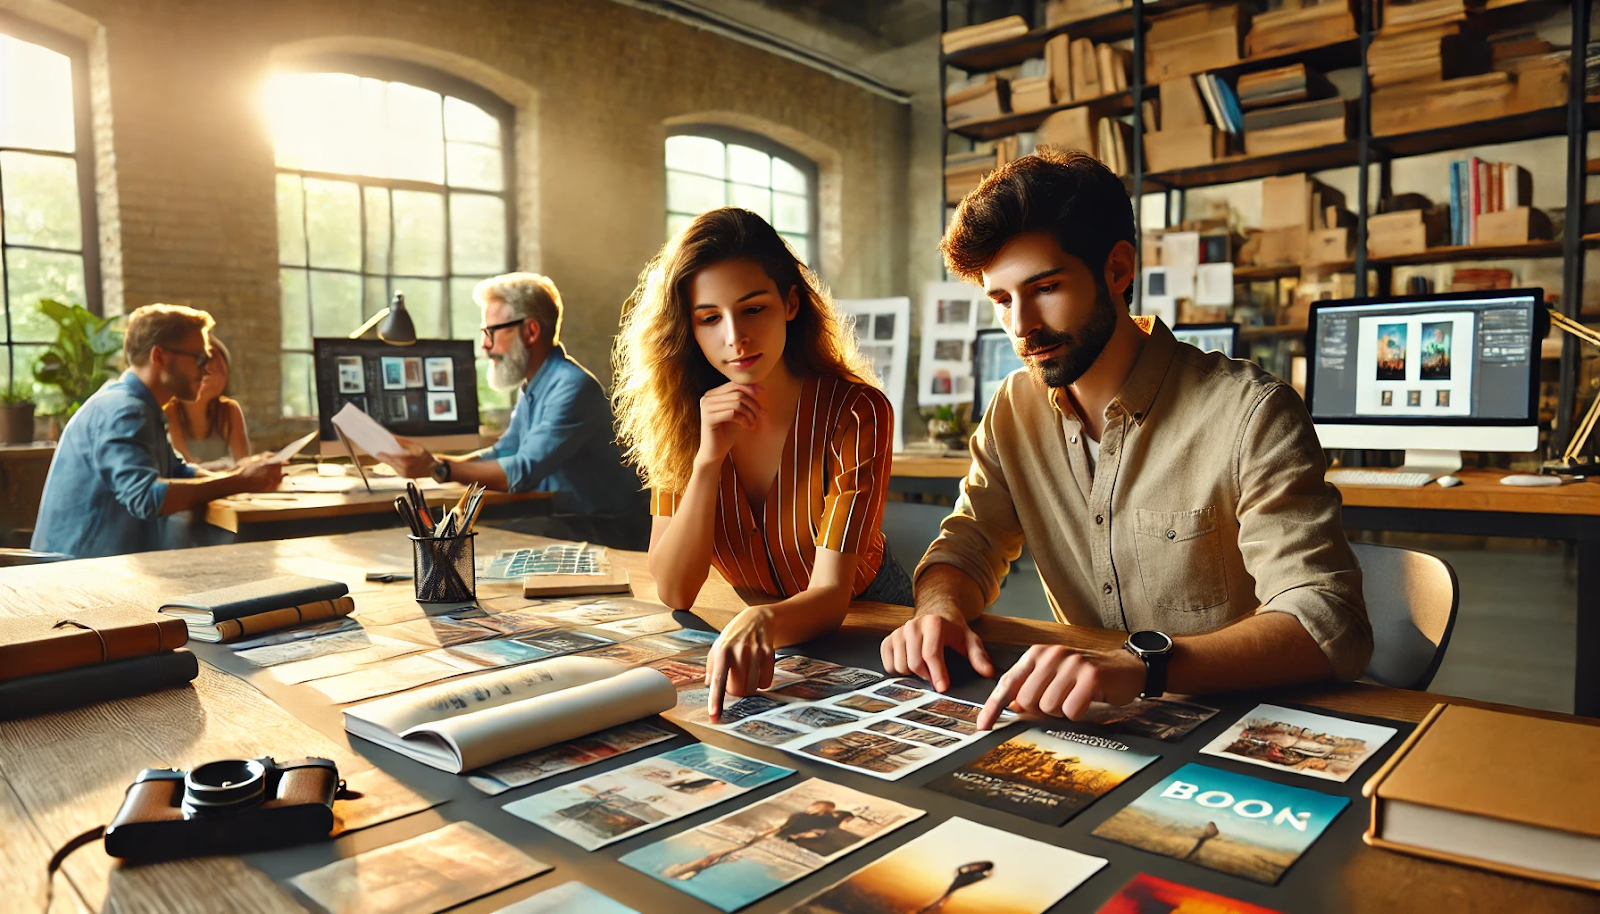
<point>559,438</point>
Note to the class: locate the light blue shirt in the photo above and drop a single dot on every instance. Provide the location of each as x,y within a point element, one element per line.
<point>108,479</point>
<point>559,439</point>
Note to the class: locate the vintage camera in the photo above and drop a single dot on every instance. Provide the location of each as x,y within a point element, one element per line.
<point>225,807</point>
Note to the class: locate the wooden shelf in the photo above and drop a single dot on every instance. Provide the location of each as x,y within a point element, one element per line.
<point>1117,103</point>
<point>1529,125</point>
<point>1274,331</point>
<point>1460,252</point>
<point>1592,167</point>
<point>1112,25</point>
<point>1338,54</point>
<point>1232,169</point>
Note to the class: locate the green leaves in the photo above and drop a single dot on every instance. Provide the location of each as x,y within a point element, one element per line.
<point>83,357</point>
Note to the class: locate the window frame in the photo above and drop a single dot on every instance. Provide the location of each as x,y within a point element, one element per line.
<point>734,136</point>
<point>83,154</point>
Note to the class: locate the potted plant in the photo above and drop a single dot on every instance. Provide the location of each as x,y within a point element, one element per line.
<point>81,360</point>
<point>16,414</point>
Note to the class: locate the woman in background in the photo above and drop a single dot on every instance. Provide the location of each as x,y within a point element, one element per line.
<point>210,431</point>
<point>763,438</point>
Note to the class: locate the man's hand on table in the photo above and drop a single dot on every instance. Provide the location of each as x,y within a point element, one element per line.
<point>1059,681</point>
<point>415,463</point>
<point>741,660</point>
<point>917,648</point>
<point>255,474</point>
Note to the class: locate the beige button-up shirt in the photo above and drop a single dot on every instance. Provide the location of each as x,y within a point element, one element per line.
<point>1208,504</point>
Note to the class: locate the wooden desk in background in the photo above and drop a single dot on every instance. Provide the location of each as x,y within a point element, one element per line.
<point>920,475</point>
<point>285,515</point>
<point>61,774</point>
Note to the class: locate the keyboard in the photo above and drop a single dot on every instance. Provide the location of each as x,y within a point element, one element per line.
<point>1378,478</point>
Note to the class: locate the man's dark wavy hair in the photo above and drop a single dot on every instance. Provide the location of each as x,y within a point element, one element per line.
<point>1065,192</point>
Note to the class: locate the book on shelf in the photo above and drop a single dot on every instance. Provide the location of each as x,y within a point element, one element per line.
<point>1031,93</point>
<point>1426,54</point>
<point>478,720</point>
<point>1085,70</point>
<point>972,36</point>
<point>1073,128</point>
<point>1112,145</point>
<point>1282,85</point>
<point>1220,101</point>
<point>977,99</point>
<point>1322,109</point>
<point>1508,46</point>
<point>1193,40</point>
<point>1112,63</point>
<point>1066,12</point>
<point>1283,31</point>
<point>1402,14</point>
<point>1181,104</point>
<point>1479,187</point>
<point>1443,797</point>
<point>1058,63</point>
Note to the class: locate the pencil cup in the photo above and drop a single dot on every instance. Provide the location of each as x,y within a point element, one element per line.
<point>442,568</point>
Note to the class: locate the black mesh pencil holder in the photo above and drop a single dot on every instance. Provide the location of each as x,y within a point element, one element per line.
<point>442,568</point>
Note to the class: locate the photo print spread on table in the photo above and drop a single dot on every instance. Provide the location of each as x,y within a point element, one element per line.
<point>568,898</point>
<point>748,854</point>
<point>1146,894</point>
<point>960,867</point>
<point>1315,745</point>
<point>569,756</point>
<point>1232,823</point>
<point>1166,719</point>
<point>1046,775</point>
<point>606,808</point>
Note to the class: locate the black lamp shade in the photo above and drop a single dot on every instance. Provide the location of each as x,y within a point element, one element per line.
<point>397,328</point>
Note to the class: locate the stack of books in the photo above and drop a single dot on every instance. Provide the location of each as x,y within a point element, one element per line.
<point>963,171</point>
<point>1180,134</point>
<point>1193,40</point>
<point>76,664</point>
<point>976,99</point>
<point>1307,25</point>
<point>1283,86</point>
<point>1302,220</point>
<point>1081,70</point>
<point>1105,138</point>
<point>1477,279</point>
<point>1492,203</point>
<point>1065,12</point>
<point>973,36</point>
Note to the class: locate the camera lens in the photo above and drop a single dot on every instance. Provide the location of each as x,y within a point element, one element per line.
<point>224,786</point>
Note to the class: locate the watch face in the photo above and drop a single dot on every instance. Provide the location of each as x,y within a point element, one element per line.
<point>1150,642</point>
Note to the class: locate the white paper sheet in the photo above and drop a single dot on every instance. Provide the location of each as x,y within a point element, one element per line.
<point>1180,254</point>
<point>365,433</point>
<point>292,448</point>
<point>1214,284</point>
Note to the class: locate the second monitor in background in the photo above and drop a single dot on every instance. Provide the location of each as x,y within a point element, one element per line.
<point>993,357</point>
<point>1223,337</point>
<point>427,392</point>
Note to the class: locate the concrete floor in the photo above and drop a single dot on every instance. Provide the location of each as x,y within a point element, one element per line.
<point>1514,629</point>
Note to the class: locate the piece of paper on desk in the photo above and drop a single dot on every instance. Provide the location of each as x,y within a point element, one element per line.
<point>341,485</point>
<point>1214,284</point>
<point>294,447</point>
<point>365,433</point>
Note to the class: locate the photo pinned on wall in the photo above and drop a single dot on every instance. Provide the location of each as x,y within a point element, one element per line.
<point>441,376</point>
<point>883,334</point>
<point>1441,397</point>
<point>352,376</point>
<point>394,407</point>
<point>441,406</point>
<point>883,327</point>
<point>416,405</point>
<point>394,373</point>
<point>1386,397</point>
<point>1392,352</point>
<point>1436,351</point>
<point>949,350</point>
<point>1413,398</point>
<point>950,313</point>
<point>413,370</point>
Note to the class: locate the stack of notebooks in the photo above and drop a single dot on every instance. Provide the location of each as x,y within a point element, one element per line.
<point>1081,70</point>
<point>73,665</point>
<point>973,36</point>
<point>1194,39</point>
<point>231,613</point>
<point>1479,189</point>
<point>1308,25</point>
<point>976,99</point>
<point>1290,108</point>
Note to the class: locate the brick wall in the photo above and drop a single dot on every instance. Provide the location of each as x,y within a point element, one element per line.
<point>194,220</point>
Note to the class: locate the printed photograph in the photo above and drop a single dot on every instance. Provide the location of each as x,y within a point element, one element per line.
<point>540,764</point>
<point>939,382</point>
<point>1155,282</point>
<point>805,666</point>
<point>828,684</point>
<point>352,377</point>
<point>950,350</point>
<point>1413,398</point>
<point>883,326</point>
<point>868,751</point>
<point>441,373</point>
<point>692,637</point>
<point>906,682</point>
<point>902,730</point>
<point>394,372</point>
<point>1386,397</point>
<point>564,899</point>
<point>864,703</point>
<point>817,718</point>
<point>605,611</point>
<point>918,716</point>
<point>1044,775</point>
<point>416,405</point>
<point>751,853</point>
<point>1232,823</point>
<point>490,654</point>
<point>630,653</point>
<point>413,371</point>
<point>692,708</point>
<point>949,707</point>
<point>394,407</point>
<point>660,623</point>
<point>1441,398</point>
<point>898,693</point>
<point>1436,350</point>
<point>597,811</point>
<point>680,673</point>
<point>960,867</point>
<point>1391,352</point>
<point>441,406</point>
<point>954,311</point>
<point>1314,745</point>
<point>557,643</point>
<point>1166,719</point>
<point>766,732</point>
<point>1146,894</point>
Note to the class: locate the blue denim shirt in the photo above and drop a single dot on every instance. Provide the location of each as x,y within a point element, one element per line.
<point>108,479</point>
<point>560,439</point>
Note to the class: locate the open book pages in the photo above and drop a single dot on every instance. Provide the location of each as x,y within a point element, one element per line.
<point>478,720</point>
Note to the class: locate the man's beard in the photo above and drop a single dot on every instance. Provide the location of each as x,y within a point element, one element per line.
<point>507,371</point>
<point>1079,350</point>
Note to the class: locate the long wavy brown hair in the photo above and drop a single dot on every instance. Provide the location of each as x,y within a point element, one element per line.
<point>658,368</point>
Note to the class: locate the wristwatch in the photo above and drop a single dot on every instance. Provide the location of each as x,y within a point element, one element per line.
<point>1153,648</point>
<point>441,471</point>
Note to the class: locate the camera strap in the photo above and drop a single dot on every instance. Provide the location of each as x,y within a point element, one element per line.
<point>60,857</point>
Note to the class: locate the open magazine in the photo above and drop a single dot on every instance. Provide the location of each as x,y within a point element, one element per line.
<point>474,721</point>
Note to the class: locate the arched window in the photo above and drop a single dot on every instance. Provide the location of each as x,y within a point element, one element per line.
<point>48,236</point>
<point>708,167</point>
<point>391,178</point>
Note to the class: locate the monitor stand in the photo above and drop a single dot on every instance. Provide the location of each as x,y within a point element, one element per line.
<point>1434,463</point>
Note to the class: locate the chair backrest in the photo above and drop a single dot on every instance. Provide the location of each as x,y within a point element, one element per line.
<point>1411,599</point>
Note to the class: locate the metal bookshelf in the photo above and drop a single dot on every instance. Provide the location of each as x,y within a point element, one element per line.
<point>1573,120</point>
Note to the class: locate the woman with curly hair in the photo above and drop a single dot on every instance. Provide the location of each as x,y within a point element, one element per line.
<point>741,397</point>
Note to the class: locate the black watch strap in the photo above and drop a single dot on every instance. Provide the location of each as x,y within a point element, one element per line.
<point>1154,648</point>
<point>1155,675</point>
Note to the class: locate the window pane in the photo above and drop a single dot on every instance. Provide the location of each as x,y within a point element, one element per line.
<point>335,303</point>
<point>378,228</point>
<point>787,177</point>
<point>291,221</point>
<point>415,137</point>
<point>425,301</point>
<point>790,213</point>
<point>322,122</point>
<point>41,200</point>
<point>477,234</point>
<point>757,200</point>
<point>801,245</point>
<point>688,193</point>
<point>465,318</point>
<point>466,122</point>
<point>418,234</point>
<point>333,224</point>
<point>294,306</point>
<point>477,166</point>
<point>35,97</point>
<point>23,360</point>
<point>35,275</point>
<point>749,166</point>
<point>376,298</point>
<point>2,306</point>
<point>297,399</point>
<point>698,154</point>
<point>677,222</point>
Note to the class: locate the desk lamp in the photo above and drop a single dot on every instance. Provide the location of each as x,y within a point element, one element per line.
<point>1569,464</point>
<point>396,328</point>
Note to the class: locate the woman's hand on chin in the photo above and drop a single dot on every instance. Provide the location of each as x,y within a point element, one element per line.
<point>740,662</point>
<point>724,412</point>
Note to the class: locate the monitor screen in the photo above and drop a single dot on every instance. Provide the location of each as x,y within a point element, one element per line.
<point>1223,338</point>
<point>993,359</point>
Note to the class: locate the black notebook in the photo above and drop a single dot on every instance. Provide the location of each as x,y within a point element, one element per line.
<point>215,606</point>
<point>86,685</point>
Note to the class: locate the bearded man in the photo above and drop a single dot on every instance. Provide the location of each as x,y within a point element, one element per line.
<point>1171,493</point>
<point>560,436</point>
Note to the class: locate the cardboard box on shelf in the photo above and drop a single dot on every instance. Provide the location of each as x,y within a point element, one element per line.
<point>1181,104</point>
<point>1064,12</point>
<point>1329,245</point>
<point>1513,226</point>
<point>1285,30</point>
<point>987,99</point>
<point>1192,54</point>
<point>1183,147</point>
<point>1290,137</point>
<point>1074,128</point>
<point>1409,231</point>
<point>1275,246</point>
<point>1031,93</point>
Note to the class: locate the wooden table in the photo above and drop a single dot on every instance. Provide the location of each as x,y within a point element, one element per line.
<point>63,773</point>
<point>284,515</point>
<point>922,475</point>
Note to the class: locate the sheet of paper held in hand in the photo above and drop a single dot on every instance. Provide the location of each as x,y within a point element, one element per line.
<point>365,433</point>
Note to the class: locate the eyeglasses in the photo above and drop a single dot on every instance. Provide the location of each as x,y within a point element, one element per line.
<point>201,359</point>
<point>491,330</point>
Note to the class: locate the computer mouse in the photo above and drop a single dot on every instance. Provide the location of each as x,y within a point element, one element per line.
<point>1448,481</point>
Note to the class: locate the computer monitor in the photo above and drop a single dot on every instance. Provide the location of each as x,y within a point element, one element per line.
<point>993,357</point>
<point>1432,375</point>
<point>1223,338</point>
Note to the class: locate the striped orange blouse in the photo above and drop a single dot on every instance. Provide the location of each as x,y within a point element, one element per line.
<point>828,494</point>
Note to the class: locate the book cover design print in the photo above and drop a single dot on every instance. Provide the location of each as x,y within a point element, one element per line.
<point>1315,745</point>
<point>1044,775</point>
<point>1232,823</point>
